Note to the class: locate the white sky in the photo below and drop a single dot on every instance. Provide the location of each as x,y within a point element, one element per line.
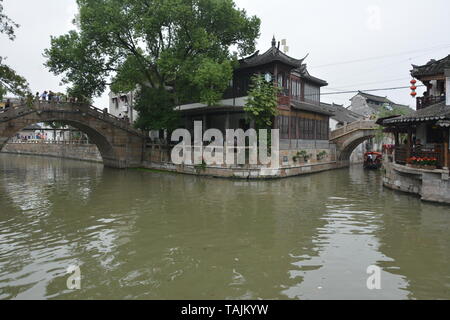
<point>401,31</point>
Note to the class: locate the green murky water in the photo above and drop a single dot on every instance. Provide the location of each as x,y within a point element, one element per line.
<point>141,235</point>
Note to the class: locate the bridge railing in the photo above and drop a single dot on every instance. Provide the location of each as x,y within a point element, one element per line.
<point>351,127</point>
<point>43,141</point>
<point>20,109</point>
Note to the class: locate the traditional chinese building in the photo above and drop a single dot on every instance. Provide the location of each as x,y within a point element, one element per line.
<point>121,105</point>
<point>370,105</point>
<point>302,120</point>
<point>422,155</point>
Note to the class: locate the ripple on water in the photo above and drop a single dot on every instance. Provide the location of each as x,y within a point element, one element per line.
<point>157,236</point>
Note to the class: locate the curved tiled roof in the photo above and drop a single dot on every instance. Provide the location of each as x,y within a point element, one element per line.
<point>444,123</point>
<point>373,97</point>
<point>304,106</point>
<point>303,71</point>
<point>342,114</point>
<point>436,112</point>
<point>433,67</point>
<point>273,54</point>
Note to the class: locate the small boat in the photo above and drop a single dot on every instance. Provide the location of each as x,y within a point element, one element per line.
<point>373,160</point>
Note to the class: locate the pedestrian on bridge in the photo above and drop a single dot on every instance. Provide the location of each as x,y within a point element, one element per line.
<point>51,96</point>
<point>44,96</point>
<point>7,104</point>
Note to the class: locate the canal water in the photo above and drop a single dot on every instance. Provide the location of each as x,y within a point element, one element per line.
<point>144,235</point>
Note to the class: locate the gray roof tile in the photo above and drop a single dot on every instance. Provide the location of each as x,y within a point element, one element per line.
<point>439,111</point>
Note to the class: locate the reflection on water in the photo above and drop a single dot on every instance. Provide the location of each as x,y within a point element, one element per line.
<point>140,235</point>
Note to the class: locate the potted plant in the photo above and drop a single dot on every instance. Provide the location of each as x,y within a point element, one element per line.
<point>429,163</point>
<point>321,155</point>
<point>413,162</point>
<point>302,155</point>
<point>422,163</point>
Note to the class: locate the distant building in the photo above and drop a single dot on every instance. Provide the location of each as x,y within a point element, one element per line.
<point>342,116</point>
<point>13,101</point>
<point>369,105</point>
<point>121,105</point>
<point>40,132</point>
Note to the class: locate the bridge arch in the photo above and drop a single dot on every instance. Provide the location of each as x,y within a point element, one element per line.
<point>347,149</point>
<point>119,145</point>
<point>104,146</point>
<point>349,137</point>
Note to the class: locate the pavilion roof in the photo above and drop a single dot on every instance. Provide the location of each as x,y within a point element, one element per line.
<point>271,55</point>
<point>436,112</point>
<point>433,67</point>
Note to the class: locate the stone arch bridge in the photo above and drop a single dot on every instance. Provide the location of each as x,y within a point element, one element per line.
<point>120,145</point>
<point>351,136</point>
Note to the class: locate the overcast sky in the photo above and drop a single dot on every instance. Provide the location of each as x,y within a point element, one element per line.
<point>352,44</point>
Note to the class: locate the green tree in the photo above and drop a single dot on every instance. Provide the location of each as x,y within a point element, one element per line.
<point>178,49</point>
<point>262,102</point>
<point>10,81</point>
<point>7,26</point>
<point>387,111</point>
<point>153,112</point>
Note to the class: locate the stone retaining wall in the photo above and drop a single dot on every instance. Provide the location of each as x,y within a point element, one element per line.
<point>430,185</point>
<point>158,158</point>
<point>244,173</point>
<point>85,152</point>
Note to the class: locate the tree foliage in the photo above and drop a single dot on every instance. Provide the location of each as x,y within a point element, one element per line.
<point>387,111</point>
<point>10,81</point>
<point>262,102</point>
<point>7,26</point>
<point>151,103</point>
<point>179,49</point>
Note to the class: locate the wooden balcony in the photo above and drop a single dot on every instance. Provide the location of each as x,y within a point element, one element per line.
<point>283,98</point>
<point>423,102</point>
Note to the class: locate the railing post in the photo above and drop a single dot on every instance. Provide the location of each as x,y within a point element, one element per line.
<point>446,150</point>
<point>409,144</point>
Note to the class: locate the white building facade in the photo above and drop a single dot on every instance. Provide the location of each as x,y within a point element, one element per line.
<point>121,105</point>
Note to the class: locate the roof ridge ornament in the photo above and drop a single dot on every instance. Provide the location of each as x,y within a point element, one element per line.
<point>274,41</point>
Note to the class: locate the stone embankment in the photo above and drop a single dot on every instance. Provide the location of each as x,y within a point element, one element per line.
<point>73,151</point>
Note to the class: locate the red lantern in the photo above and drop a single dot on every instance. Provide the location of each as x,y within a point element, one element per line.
<point>413,88</point>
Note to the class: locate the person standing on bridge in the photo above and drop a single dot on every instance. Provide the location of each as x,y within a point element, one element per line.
<point>50,96</point>
<point>7,104</point>
<point>37,97</point>
<point>44,96</point>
